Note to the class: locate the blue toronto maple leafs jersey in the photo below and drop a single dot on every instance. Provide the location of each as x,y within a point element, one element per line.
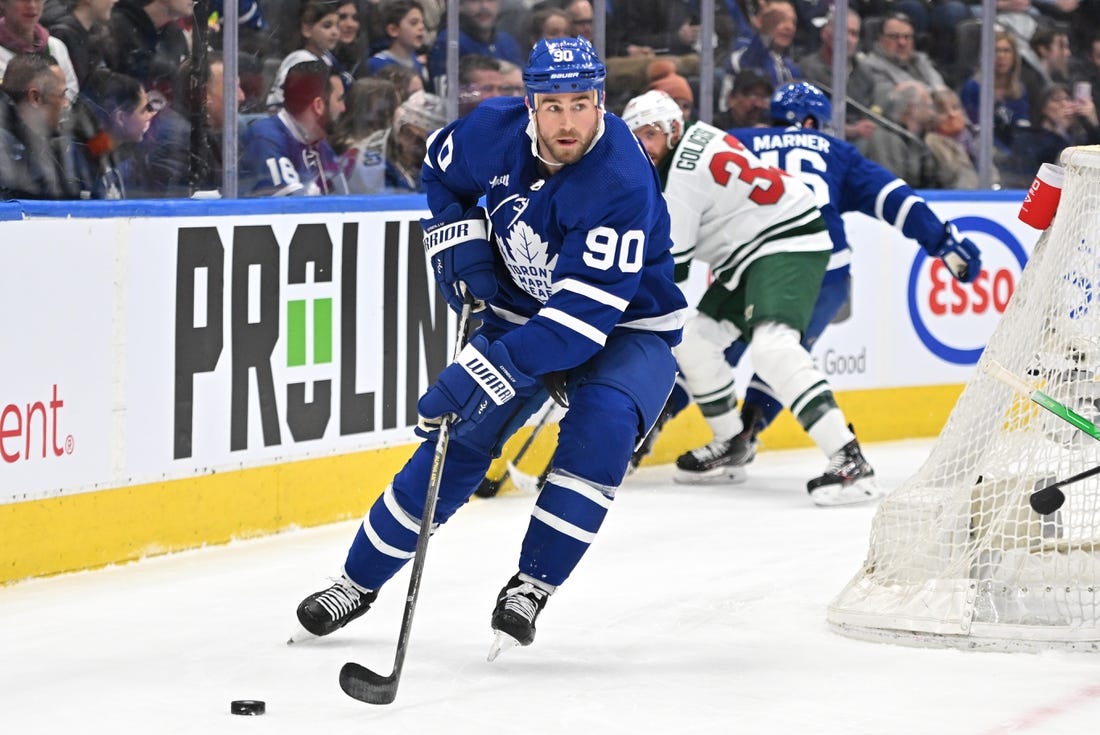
<point>843,180</point>
<point>275,160</point>
<point>580,254</point>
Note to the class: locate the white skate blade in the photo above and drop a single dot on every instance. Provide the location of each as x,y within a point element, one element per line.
<point>299,635</point>
<point>717,476</point>
<point>524,483</point>
<point>501,643</point>
<point>861,491</point>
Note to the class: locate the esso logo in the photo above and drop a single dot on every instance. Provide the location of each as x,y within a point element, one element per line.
<point>952,319</point>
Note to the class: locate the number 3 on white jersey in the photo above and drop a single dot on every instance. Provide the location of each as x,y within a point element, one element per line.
<point>606,248</point>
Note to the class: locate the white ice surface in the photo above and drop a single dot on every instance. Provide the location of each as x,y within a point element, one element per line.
<point>697,610</point>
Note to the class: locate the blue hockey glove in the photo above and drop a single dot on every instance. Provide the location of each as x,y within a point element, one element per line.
<point>461,255</point>
<point>959,254</point>
<point>481,379</point>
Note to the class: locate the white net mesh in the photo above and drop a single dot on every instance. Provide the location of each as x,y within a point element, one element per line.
<point>957,556</point>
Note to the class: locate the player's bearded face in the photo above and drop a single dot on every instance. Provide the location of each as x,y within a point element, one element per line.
<point>566,125</point>
<point>654,141</point>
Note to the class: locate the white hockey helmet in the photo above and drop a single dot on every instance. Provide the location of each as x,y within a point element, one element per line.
<point>655,108</point>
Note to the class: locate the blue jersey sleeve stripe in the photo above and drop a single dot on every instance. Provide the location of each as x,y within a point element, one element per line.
<point>880,200</point>
<point>589,291</point>
<point>663,323</point>
<point>903,210</point>
<point>574,324</point>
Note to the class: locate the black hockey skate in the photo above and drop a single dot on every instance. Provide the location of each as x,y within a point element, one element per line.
<point>720,461</point>
<point>328,610</point>
<point>848,479</point>
<point>518,606</point>
<point>723,461</point>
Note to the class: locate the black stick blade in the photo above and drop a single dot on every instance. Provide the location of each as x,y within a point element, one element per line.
<point>488,488</point>
<point>1047,500</point>
<point>359,682</point>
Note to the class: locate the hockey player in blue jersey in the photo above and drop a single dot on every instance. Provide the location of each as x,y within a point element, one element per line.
<point>573,280</point>
<point>843,181</point>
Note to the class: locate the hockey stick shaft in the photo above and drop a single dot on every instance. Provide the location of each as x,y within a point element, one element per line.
<point>358,681</point>
<point>1003,374</point>
<point>489,487</point>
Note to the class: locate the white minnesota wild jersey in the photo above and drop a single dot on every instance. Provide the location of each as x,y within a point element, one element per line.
<point>729,208</point>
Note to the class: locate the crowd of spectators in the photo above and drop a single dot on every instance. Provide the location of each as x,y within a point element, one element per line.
<point>124,98</point>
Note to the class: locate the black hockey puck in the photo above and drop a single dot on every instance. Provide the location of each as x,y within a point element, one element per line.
<point>247,707</point>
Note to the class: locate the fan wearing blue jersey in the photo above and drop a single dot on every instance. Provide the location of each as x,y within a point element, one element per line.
<point>763,237</point>
<point>570,267</point>
<point>286,153</point>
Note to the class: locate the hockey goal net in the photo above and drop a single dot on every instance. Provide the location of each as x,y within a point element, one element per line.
<point>957,556</point>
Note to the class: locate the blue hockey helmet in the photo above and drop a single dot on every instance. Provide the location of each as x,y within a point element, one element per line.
<point>563,66</point>
<point>793,103</point>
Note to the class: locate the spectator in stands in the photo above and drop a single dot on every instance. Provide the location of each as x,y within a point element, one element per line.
<point>953,147</point>
<point>1051,48</point>
<point>119,116</point>
<point>547,23</point>
<point>147,42</point>
<point>369,108</point>
<point>818,68</point>
<point>1011,108</point>
<point>893,59</point>
<point>479,78</point>
<point>747,103</point>
<point>404,24</point>
<point>477,34</point>
<point>287,152</point>
<point>320,33</point>
<point>581,17</point>
<point>662,75</point>
<point>205,111</point>
<point>32,147</point>
<point>405,80</point>
<point>903,150</point>
<point>394,156</point>
<point>653,27</point>
<point>769,48</point>
<point>1062,122</point>
<point>511,80</point>
<point>1087,68</point>
<point>21,33</point>
<point>84,31</point>
<point>351,49</point>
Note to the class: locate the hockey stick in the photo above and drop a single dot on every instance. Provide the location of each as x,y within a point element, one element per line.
<point>358,681</point>
<point>1001,373</point>
<point>529,483</point>
<point>489,487</point>
<point>1048,499</point>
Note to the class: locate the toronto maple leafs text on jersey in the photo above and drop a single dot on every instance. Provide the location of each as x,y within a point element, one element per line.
<point>586,252</point>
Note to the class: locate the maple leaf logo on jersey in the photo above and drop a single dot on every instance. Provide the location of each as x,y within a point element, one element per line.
<point>525,255</point>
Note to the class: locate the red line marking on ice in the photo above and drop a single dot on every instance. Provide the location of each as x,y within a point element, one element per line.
<point>1041,714</point>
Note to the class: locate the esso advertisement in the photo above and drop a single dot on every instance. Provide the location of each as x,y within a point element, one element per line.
<point>954,320</point>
